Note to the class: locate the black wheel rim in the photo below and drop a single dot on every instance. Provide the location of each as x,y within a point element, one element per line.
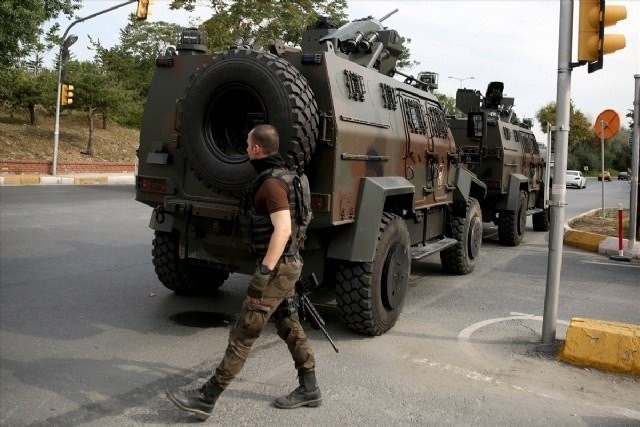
<point>475,237</point>
<point>394,277</point>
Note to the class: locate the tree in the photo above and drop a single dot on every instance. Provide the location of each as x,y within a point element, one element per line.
<point>584,147</point>
<point>617,152</point>
<point>95,90</point>
<point>580,129</point>
<point>133,60</point>
<point>448,104</point>
<point>263,20</point>
<point>21,89</point>
<point>23,28</point>
<point>404,60</point>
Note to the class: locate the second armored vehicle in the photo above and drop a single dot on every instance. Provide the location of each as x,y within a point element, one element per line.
<point>387,183</point>
<point>504,154</point>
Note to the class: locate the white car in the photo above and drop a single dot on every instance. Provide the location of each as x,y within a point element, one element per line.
<point>576,179</point>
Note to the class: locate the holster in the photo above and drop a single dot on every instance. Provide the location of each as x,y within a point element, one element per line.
<point>287,307</point>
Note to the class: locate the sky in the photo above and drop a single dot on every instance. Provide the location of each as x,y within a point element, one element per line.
<point>513,41</point>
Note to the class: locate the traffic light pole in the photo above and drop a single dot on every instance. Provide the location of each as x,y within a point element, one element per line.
<point>558,188</point>
<point>56,128</point>
<point>603,125</point>
<point>635,165</point>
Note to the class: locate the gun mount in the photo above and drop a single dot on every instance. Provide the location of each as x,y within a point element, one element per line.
<point>367,42</point>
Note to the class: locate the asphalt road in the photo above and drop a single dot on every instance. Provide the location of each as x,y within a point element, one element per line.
<point>89,337</point>
<point>579,201</point>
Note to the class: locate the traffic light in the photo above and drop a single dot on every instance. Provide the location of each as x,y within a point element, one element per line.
<point>593,43</point>
<point>143,9</point>
<point>66,94</point>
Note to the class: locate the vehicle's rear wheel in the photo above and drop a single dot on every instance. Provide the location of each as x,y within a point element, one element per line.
<point>466,227</point>
<point>371,295</point>
<point>231,94</point>
<point>541,220</point>
<point>178,274</point>
<point>511,225</point>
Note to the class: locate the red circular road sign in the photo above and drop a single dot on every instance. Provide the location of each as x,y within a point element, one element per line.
<point>610,127</point>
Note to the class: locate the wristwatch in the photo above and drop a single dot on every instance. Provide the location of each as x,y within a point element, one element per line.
<point>264,269</point>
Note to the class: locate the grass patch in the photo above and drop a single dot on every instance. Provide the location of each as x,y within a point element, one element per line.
<point>21,141</point>
<point>607,226</point>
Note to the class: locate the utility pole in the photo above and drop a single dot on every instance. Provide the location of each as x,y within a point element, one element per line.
<point>635,165</point>
<point>558,189</point>
<point>603,125</point>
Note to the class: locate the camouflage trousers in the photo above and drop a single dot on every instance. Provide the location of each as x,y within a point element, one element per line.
<point>253,318</point>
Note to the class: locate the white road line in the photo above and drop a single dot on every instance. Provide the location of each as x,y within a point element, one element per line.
<point>478,376</point>
<point>465,334</point>
<point>615,264</point>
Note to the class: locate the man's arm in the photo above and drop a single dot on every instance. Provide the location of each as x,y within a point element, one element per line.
<point>281,221</point>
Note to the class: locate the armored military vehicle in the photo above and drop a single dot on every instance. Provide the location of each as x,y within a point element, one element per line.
<point>387,183</point>
<point>504,154</point>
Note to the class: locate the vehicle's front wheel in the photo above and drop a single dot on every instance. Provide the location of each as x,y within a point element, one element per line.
<point>371,295</point>
<point>179,275</point>
<point>511,225</point>
<point>466,228</point>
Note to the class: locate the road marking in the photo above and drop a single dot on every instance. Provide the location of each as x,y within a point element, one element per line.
<point>463,339</point>
<point>478,376</point>
<point>465,334</point>
<point>615,264</point>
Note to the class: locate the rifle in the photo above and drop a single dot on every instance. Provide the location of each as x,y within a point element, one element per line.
<point>307,308</point>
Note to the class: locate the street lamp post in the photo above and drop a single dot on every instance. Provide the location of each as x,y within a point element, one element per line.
<point>461,79</point>
<point>62,58</point>
<point>64,55</point>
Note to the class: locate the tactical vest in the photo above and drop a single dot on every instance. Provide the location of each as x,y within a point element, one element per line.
<point>299,197</point>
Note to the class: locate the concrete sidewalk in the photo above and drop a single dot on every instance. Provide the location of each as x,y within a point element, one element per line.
<point>70,179</point>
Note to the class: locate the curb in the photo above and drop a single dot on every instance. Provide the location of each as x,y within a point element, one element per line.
<point>595,242</point>
<point>80,179</point>
<point>610,346</point>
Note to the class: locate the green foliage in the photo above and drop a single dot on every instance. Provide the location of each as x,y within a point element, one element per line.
<point>263,20</point>
<point>404,60</point>
<point>617,152</point>
<point>584,146</point>
<point>583,154</point>
<point>132,62</point>
<point>23,28</point>
<point>580,129</point>
<point>448,103</point>
<point>21,89</point>
<point>95,89</point>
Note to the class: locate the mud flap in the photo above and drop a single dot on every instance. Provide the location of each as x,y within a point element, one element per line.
<point>161,220</point>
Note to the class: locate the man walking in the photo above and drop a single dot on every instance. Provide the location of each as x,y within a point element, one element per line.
<point>280,215</point>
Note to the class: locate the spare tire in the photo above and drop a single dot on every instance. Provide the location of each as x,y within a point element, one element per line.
<point>231,94</point>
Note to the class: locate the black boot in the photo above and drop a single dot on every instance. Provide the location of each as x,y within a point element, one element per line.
<point>199,401</point>
<point>307,394</point>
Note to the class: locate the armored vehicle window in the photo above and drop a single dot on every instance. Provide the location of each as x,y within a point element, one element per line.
<point>415,116</point>
<point>438,122</point>
<point>529,143</point>
<point>536,148</point>
<point>507,133</point>
<point>474,125</point>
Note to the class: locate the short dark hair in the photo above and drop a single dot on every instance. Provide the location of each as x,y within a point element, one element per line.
<point>267,137</point>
